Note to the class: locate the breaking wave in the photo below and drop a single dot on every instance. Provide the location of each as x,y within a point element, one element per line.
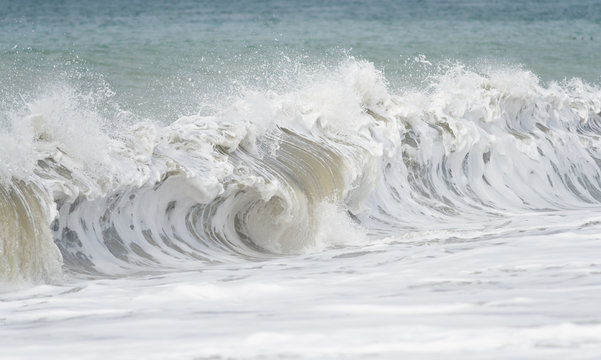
<point>338,160</point>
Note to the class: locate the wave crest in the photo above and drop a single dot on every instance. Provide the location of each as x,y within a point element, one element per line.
<point>339,159</point>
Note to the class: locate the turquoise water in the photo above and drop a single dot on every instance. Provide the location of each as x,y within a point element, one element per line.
<point>164,59</point>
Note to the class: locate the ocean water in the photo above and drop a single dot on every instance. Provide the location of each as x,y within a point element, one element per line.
<point>300,179</point>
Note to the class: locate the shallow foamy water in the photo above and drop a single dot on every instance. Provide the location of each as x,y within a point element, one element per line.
<point>529,290</point>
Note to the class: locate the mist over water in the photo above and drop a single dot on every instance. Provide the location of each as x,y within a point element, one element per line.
<point>300,180</point>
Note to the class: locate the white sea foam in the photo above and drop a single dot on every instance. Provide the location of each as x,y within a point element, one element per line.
<point>444,190</point>
<point>252,178</point>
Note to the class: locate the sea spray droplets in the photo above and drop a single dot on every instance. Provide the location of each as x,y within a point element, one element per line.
<point>276,171</point>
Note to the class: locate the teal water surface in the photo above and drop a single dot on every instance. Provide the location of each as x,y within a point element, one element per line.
<point>164,59</point>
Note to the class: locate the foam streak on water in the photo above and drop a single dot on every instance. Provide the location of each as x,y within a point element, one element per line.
<point>338,219</point>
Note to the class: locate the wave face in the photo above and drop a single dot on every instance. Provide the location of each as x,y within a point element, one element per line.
<point>340,159</point>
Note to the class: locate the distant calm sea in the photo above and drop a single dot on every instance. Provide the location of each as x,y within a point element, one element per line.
<point>300,179</point>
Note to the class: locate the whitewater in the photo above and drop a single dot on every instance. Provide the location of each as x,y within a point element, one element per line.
<point>336,218</point>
